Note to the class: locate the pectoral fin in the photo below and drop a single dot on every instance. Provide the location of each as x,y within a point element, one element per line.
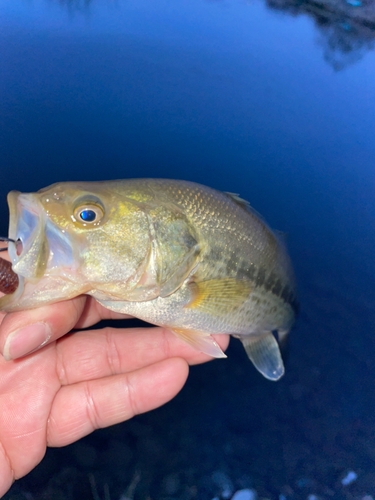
<point>219,296</point>
<point>264,353</point>
<point>202,342</point>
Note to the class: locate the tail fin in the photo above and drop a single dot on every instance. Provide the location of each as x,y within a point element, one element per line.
<point>264,352</point>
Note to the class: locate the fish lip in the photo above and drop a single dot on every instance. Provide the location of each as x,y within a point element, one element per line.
<point>20,230</point>
<point>13,215</point>
<point>26,226</point>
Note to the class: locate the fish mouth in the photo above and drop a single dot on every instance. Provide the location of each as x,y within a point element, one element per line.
<point>40,247</point>
<point>37,248</point>
<point>25,226</point>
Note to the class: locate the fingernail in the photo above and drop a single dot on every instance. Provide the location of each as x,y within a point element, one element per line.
<point>25,340</point>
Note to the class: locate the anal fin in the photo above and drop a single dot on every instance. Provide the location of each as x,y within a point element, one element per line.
<point>264,352</point>
<point>203,342</point>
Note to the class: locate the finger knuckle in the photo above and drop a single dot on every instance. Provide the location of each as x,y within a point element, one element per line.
<point>165,346</point>
<point>112,352</point>
<point>92,409</point>
<point>61,369</point>
<point>131,397</point>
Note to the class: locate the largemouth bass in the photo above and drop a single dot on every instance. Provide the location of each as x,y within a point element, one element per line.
<point>173,253</point>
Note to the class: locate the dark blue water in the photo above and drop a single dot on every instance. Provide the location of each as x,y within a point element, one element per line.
<point>276,104</point>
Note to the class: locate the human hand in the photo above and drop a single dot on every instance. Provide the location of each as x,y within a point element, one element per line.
<point>80,382</point>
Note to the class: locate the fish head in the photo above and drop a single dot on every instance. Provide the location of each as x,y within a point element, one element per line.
<point>74,238</point>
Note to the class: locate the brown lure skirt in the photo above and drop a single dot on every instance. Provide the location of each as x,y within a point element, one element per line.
<point>8,278</point>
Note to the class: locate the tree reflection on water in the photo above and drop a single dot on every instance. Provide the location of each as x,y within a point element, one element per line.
<point>347,26</point>
<point>74,5</point>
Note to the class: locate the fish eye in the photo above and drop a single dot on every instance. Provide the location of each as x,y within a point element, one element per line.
<point>88,214</point>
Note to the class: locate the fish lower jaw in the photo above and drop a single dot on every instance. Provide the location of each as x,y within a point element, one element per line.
<point>30,295</point>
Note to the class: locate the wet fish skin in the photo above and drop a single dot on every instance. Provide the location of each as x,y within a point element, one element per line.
<point>174,253</point>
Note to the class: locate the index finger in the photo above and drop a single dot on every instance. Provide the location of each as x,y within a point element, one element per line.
<point>25,331</point>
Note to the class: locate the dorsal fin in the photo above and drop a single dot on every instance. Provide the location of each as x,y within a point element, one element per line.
<point>281,235</point>
<point>237,199</point>
<point>245,205</point>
